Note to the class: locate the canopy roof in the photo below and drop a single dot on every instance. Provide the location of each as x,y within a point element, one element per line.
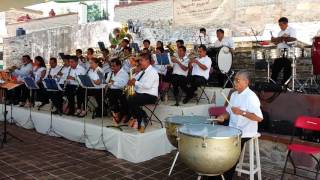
<point>17,4</point>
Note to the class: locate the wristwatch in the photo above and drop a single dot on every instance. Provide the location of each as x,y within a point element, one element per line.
<point>244,113</point>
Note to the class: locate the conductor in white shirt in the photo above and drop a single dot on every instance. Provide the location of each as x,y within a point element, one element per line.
<point>146,85</point>
<point>287,34</point>
<point>243,112</point>
<point>200,68</point>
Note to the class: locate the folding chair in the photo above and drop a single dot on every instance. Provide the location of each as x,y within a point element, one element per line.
<point>152,112</point>
<point>305,123</point>
<point>203,92</point>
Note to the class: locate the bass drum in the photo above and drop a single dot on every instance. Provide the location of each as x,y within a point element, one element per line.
<point>224,60</point>
<point>207,149</point>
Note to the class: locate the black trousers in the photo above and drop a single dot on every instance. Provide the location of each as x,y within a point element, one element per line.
<point>56,98</point>
<point>228,175</point>
<point>117,100</point>
<point>96,93</point>
<point>135,104</point>
<point>179,81</point>
<point>195,82</point>
<point>40,94</point>
<point>279,64</point>
<point>71,91</point>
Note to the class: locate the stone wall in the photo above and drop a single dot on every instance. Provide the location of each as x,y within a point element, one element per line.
<point>48,43</point>
<point>237,15</point>
<point>43,23</point>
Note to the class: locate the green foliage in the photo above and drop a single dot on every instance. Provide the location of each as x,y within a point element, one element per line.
<point>94,13</point>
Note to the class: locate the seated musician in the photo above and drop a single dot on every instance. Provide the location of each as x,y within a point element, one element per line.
<point>93,74</point>
<point>163,70</point>
<point>21,93</point>
<point>126,65</point>
<point>146,85</point>
<point>159,44</point>
<point>146,45</point>
<point>52,74</point>
<point>71,86</point>
<point>39,73</point>
<point>106,68</point>
<point>179,43</point>
<point>180,73</point>
<point>85,62</point>
<point>61,77</point>
<point>243,112</point>
<point>223,41</point>
<point>117,80</point>
<point>202,38</point>
<point>79,55</point>
<point>119,50</point>
<point>200,68</point>
<point>286,35</point>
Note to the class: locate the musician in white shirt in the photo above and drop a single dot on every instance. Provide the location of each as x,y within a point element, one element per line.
<point>117,80</point>
<point>200,68</point>
<point>39,73</point>
<point>54,68</point>
<point>21,94</point>
<point>223,41</point>
<point>96,76</point>
<point>286,35</point>
<point>180,73</point>
<point>243,111</point>
<point>202,38</point>
<point>146,85</point>
<point>72,85</point>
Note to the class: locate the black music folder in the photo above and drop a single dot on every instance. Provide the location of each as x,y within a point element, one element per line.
<point>101,46</point>
<point>30,83</point>
<point>51,85</point>
<point>85,81</point>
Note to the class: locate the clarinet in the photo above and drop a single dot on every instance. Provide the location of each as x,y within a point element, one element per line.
<point>57,76</point>
<point>49,76</point>
<point>66,81</point>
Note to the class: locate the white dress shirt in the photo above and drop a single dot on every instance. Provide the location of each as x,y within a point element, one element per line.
<point>84,64</point>
<point>226,41</point>
<point>106,68</point>
<point>126,65</point>
<point>148,83</point>
<point>24,71</point>
<point>64,71</point>
<point>196,70</point>
<point>120,79</point>
<point>202,39</point>
<point>247,101</point>
<point>53,71</point>
<point>177,69</point>
<point>37,73</point>
<point>289,32</point>
<point>79,70</point>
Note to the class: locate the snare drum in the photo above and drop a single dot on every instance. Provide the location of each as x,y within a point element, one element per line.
<point>209,150</point>
<point>172,123</point>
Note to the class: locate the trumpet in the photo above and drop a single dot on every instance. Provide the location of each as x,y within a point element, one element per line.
<point>129,90</point>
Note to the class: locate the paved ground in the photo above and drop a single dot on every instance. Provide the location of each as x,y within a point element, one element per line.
<point>44,157</point>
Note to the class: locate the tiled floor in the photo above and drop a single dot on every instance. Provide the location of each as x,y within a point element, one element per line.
<point>43,157</point>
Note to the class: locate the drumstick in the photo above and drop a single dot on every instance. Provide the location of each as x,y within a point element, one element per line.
<point>225,97</point>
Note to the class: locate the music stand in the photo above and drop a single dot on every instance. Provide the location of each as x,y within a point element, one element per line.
<point>86,83</point>
<point>52,86</point>
<point>31,85</point>
<point>5,133</point>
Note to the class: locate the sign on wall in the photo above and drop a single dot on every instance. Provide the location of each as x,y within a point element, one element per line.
<point>193,12</point>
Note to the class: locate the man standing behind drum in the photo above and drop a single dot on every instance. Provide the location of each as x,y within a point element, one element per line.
<point>223,41</point>
<point>287,34</point>
<point>243,112</point>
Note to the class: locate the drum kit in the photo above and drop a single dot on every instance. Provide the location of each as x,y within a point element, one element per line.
<point>206,148</point>
<point>222,60</point>
<point>266,54</point>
